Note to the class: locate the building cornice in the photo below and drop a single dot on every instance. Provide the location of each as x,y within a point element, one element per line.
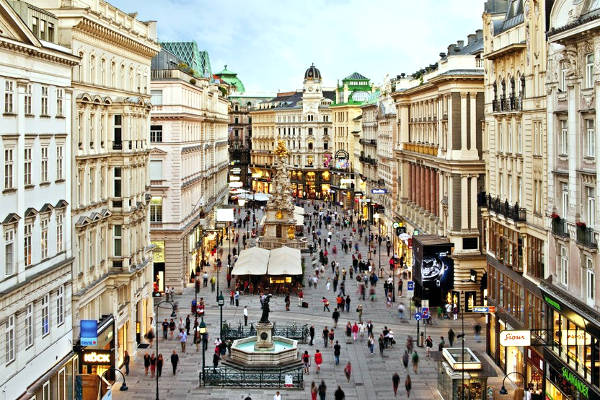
<point>39,52</point>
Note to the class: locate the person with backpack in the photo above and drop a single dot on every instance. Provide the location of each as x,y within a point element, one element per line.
<point>428,345</point>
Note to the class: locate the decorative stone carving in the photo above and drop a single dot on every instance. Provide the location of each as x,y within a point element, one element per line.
<point>587,102</point>
<point>570,62</point>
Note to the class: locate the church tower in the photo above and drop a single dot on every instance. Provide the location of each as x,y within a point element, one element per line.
<point>312,93</point>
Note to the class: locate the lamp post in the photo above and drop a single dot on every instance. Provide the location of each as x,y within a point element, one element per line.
<point>123,387</point>
<point>173,315</point>
<point>220,302</point>
<point>202,331</point>
<point>503,388</point>
<point>242,203</point>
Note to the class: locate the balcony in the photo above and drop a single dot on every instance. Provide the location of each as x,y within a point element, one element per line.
<point>371,142</point>
<point>423,148</point>
<point>117,145</point>
<point>504,208</point>
<point>585,236</point>
<point>507,104</point>
<point>368,160</point>
<point>559,227</point>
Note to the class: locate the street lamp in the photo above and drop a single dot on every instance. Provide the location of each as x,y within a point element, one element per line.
<point>202,331</point>
<point>503,388</point>
<point>220,302</point>
<point>123,387</point>
<point>173,315</point>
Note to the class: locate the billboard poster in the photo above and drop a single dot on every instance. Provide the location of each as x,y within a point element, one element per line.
<point>433,268</point>
<point>342,163</point>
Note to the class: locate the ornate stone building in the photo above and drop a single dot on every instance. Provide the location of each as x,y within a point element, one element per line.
<point>303,121</point>
<point>573,147</point>
<point>188,167</point>
<point>513,208</point>
<point>440,165</point>
<point>36,258</point>
<point>386,163</point>
<point>112,273</point>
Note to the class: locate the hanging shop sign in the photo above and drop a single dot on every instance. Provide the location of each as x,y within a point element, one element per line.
<point>379,191</point>
<point>515,338</point>
<point>97,357</point>
<point>88,332</point>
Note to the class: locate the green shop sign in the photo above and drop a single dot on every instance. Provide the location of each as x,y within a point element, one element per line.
<point>553,303</point>
<point>575,381</point>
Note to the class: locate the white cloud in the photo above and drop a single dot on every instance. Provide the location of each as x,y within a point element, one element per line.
<point>270,43</point>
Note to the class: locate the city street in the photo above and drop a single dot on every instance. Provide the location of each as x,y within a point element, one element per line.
<point>372,374</point>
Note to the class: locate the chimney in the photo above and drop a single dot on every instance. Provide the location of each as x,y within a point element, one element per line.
<point>471,38</point>
<point>479,33</point>
<point>451,48</point>
<point>460,44</point>
<point>442,55</point>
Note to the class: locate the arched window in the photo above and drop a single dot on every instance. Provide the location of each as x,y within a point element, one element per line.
<point>522,92</point>
<point>131,76</point>
<point>113,74</point>
<point>122,85</point>
<point>103,72</point>
<point>92,69</point>
<point>80,68</point>
<point>310,145</point>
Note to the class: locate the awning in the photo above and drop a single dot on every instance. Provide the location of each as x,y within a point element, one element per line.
<point>255,196</point>
<point>285,261</point>
<point>252,261</point>
<point>299,215</point>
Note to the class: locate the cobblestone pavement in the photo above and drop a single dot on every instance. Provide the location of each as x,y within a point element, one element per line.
<point>371,373</point>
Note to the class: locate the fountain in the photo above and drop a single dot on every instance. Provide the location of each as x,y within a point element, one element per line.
<point>264,350</point>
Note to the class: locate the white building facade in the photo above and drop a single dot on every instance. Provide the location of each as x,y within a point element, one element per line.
<point>35,261</point>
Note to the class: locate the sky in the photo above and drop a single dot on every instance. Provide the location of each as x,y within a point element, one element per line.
<point>270,43</point>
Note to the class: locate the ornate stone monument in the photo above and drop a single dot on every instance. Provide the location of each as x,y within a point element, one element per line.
<point>279,228</point>
<point>264,327</point>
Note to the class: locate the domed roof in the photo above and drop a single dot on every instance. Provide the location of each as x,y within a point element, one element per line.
<point>312,73</point>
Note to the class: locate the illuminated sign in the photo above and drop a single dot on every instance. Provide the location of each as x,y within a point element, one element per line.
<point>88,332</point>
<point>379,191</point>
<point>97,357</point>
<point>158,254</point>
<point>552,302</point>
<point>576,382</point>
<point>515,338</point>
<point>575,337</point>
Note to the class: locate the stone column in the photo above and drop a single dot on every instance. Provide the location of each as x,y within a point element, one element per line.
<point>436,198</point>
<point>463,121</point>
<point>572,124</point>
<point>427,189</point>
<point>473,200</point>
<point>464,203</point>
<point>473,130</point>
<point>449,134</point>
<point>450,221</point>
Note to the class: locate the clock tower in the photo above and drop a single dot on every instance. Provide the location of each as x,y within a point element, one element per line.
<point>312,93</point>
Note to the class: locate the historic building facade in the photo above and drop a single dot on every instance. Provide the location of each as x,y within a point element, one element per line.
<point>441,169</point>
<point>515,200</point>
<point>573,146</point>
<point>36,258</point>
<point>386,163</point>
<point>112,273</point>
<point>301,119</point>
<point>188,167</point>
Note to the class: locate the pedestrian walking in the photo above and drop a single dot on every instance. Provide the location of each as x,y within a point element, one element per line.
<point>159,365</point>
<point>415,362</point>
<point>165,328</point>
<point>174,361</point>
<point>408,385</point>
<point>322,390</point>
<point>359,310</point>
<point>318,360</point>
<point>216,358</point>
<point>477,332</point>
<point>336,316</point>
<point>152,365</point>
<point>371,344</point>
<point>245,315</point>
<point>331,336</point>
<point>182,340</point>
<point>325,336</point>
<point>126,360</point>
<point>451,337</point>
<point>277,396</point>
<point>172,327</point>
<point>339,394</point>
<point>395,383</point>
<point>348,303</point>
<point>311,333</point>
<point>355,331</point>
<point>348,371</point>
<point>325,305</point>
<point>188,324</point>
<point>313,391</point>
<point>287,302</point>
<point>405,359</point>
<point>146,363</point>
<point>336,352</point>
<point>306,362</point>
<point>441,344</point>
<point>381,341</point>
<point>428,345</point>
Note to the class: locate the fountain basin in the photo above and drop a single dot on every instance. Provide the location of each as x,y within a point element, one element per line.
<point>283,351</point>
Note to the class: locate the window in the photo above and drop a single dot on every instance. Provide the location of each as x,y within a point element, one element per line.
<point>117,240</point>
<point>44,100</point>
<point>563,77</point>
<point>563,138</point>
<point>44,243</point>
<point>92,186</point>
<point>156,209</point>
<point>46,391</point>
<point>103,72</point>
<point>44,163</point>
<point>117,182</point>
<point>117,145</point>
<point>8,168</point>
<point>42,29</point>
<point>536,149</point>
<point>35,26</point>
<point>565,199</point>
<point>501,136</point>
<point>60,94</point>
<point>60,305</point>
<point>45,314</point>
<point>27,166</point>
<point>59,233</point>
<point>9,90</point>
<point>537,205</point>
<point>156,173</point>
<point>59,162</point>
<point>310,131</point>
<point>156,97</point>
<point>92,69</point>
<point>564,265</point>
<point>9,339</point>
<point>501,185</point>
<point>590,138</point>
<point>156,134</point>
<point>510,136</point>
<point>27,243</point>
<point>510,195</point>
<point>9,252</point>
<point>520,190</point>
<point>50,35</point>
<point>519,137</point>
<point>590,206</point>
<point>29,326</point>
<point>589,70</point>
<point>325,146</point>
<point>28,100</point>
<point>310,145</point>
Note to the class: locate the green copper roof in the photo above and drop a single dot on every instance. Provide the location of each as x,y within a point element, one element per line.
<point>231,78</point>
<point>355,77</point>
<point>190,53</point>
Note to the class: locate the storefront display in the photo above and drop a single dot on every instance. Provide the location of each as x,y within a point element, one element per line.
<point>99,358</point>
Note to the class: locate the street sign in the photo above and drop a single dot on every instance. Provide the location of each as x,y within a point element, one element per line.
<point>379,191</point>
<point>425,312</point>
<point>410,286</point>
<point>484,309</point>
<point>418,316</point>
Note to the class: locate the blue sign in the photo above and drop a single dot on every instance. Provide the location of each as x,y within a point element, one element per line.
<point>484,309</point>
<point>410,285</point>
<point>418,316</point>
<point>425,312</point>
<point>88,334</point>
<point>379,191</point>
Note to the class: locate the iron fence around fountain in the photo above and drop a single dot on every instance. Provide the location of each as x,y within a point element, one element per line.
<point>253,378</point>
<point>292,331</point>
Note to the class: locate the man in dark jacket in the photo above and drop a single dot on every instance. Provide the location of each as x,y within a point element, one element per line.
<point>339,394</point>
<point>322,390</point>
<point>311,332</point>
<point>174,361</point>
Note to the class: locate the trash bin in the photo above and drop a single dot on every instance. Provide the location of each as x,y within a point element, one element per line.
<point>421,339</point>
